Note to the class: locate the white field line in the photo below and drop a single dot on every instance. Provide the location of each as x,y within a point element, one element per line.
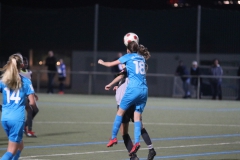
<point>124,150</point>
<point>35,159</point>
<point>161,124</point>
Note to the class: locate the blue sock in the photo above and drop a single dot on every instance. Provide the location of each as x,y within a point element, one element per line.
<point>7,156</point>
<point>17,155</point>
<point>116,125</point>
<point>137,131</point>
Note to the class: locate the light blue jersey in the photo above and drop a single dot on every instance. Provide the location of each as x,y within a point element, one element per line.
<point>137,90</point>
<point>13,107</point>
<point>136,73</point>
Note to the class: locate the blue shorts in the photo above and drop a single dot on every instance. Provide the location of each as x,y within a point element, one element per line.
<point>134,96</point>
<point>14,130</point>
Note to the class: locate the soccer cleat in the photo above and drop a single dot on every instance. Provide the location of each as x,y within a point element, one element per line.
<point>30,134</point>
<point>112,142</point>
<point>134,157</point>
<point>134,149</point>
<point>151,154</point>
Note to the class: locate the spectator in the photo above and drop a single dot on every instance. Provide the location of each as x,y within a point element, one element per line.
<point>51,64</point>
<point>238,80</point>
<point>116,69</point>
<point>216,81</point>
<point>61,76</point>
<point>195,72</point>
<point>183,73</point>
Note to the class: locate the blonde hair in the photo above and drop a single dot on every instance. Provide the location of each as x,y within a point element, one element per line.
<point>10,76</point>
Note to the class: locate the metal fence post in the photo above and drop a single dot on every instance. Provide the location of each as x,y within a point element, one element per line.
<point>38,80</point>
<point>90,83</point>
<point>198,87</point>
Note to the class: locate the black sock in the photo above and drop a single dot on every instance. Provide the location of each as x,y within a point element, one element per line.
<point>35,112</point>
<point>128,142</point>
<point>0,107</point>
<point>146,137</point>
<point>29,119</point>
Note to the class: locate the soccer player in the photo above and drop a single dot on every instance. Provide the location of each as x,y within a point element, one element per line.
<point>120,90</point>
<point>14,89</point>
<point>31,111</point>
<point>136,92</point>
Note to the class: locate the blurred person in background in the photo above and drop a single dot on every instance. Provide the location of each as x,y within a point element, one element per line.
<point>51,67</point>
<point>216,81</point>
<point>195,72</point>
<point>118,68</point>
<point>238,80</point>
<point>183,72</point>
<point>61,76</point>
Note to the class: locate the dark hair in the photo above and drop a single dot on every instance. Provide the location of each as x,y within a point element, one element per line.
<point>144,52</point>
<point>134,47</point>
<point>25,59</point>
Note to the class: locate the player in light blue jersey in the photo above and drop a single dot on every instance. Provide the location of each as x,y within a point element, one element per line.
<point>136,92</point>
<point>14,89</point>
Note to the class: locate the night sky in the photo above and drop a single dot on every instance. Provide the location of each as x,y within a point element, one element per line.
<point>68,25</point>
<point>128,4</point>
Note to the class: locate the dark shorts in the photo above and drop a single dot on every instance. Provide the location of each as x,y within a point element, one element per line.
<point>61,79</point>
<point>129,114</point>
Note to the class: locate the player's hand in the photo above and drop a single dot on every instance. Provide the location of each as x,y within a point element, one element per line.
<point>100,61</point>
<point>115,88</point>
<point>36,97</point>
<point>107,87</point>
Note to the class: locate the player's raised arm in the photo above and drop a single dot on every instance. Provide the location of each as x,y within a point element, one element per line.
<point>108,64</point>
<point>117,79</point>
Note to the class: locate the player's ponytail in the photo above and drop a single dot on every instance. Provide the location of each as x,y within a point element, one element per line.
<point>134,47</point>
<point>10,75</point>
<point>144,52</point>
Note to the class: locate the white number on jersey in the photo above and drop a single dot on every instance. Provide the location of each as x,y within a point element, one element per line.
<point>140,67</point>
<point>14,96</point>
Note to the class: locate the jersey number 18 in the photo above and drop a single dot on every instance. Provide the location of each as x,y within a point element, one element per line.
<point>139,67</point>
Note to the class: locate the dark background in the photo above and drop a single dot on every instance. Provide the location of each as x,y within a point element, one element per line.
<point>69,25</point>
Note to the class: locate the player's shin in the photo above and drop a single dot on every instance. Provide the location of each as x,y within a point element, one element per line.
<point>128,142</point>
<point>137,131</point>
<point>17,155</point>
<point>7,156</point>
<point>116,125</point>
<point>146,138</point>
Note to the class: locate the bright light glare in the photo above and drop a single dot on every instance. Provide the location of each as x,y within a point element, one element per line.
<point>40,62</point>
<point>175,5</point>
<point>58,63</point>
<point>226,2</point>
<point>238,2</point>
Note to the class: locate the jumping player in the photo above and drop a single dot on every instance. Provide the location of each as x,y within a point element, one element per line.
<point>31,111</point>
<point>120,90</point>
<point>136,92</point>
<point>14,89</point>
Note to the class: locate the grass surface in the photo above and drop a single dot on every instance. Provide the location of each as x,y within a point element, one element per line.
<point>77,127</point>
